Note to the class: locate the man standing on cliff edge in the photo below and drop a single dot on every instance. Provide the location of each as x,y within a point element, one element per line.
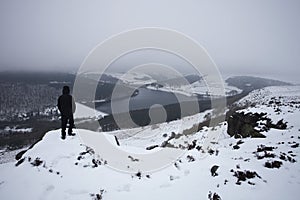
<point>66,105</point>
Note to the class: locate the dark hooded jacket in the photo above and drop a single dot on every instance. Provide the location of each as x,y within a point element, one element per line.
<point>66,104</point>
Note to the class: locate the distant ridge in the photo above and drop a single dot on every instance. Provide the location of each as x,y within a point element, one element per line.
<point>251,83</point>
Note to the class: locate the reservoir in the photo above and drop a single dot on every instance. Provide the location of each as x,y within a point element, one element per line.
<point>144,100</point>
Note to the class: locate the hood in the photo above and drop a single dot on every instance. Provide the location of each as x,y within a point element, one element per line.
<point>66,90</point>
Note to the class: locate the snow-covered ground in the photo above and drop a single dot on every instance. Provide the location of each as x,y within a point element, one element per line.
<point>16,129</point>
<point>199,87</point>
<point>85,112</point>
<point>7,156</point>
<point>133,78</point>
<point>57,169</point>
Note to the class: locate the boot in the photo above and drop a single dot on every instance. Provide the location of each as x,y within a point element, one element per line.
<point>63,135</point>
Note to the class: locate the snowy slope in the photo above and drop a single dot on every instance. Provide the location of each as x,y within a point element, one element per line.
<point>199,87</point>
<point>133,78</point>
<point>70,170</point>
<point>85,112</point>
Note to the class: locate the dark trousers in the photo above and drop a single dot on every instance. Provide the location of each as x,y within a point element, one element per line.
<point>64,120</point>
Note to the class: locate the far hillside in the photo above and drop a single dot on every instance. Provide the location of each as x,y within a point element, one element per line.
<point>249,83</point>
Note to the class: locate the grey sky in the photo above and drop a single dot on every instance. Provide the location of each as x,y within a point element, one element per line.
<point>243,37</point>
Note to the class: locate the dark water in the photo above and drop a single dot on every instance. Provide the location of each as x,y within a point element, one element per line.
<point>144,100</point>
<point>139,108</point>
<point>175,106</point>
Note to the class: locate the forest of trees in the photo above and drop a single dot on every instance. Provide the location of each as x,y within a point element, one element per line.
<point>21,100</point>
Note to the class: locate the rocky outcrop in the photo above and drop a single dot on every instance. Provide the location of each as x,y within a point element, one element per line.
<point>241,125</point>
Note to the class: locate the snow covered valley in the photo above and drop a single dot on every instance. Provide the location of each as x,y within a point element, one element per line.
<point>265,167</point>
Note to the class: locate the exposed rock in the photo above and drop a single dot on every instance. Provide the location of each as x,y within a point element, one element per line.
<point>98,196</point>
<point>244,175</point>
<point>37,162</point>
<point>225,181</point>
<point>295,145</point>
<point>241,125</point>
<point>265,155</point>
<point>262,148</point>
<point>285,157</point>
<point>236,146</point>
<point>19,162</point>
<point>172,136</point>
<point>213,170</point>
<point>251,183</point>
<point>239,142</point>
<point>193,145</point>
<point>133,159</point>
<point>273,164</point>
<point>20,154</point>
<point>279,125</point>
<point>96,163</point>
<point>139,175</point>
<point>152,147</point>
<point>213,196</point>
<point>210,151</point>
<point>117,141</point>
<point>190,158</point>
<point>88,150</point>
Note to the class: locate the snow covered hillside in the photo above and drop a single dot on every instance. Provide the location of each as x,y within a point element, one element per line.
<point>133,78</point>
<point>243,168</point>
<point>199,88</point>
<point>85,112</point>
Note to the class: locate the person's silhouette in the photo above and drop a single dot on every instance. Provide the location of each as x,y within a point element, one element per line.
<point>66,105</point>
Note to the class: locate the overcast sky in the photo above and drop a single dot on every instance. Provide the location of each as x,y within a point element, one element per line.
<point>243,37</point>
